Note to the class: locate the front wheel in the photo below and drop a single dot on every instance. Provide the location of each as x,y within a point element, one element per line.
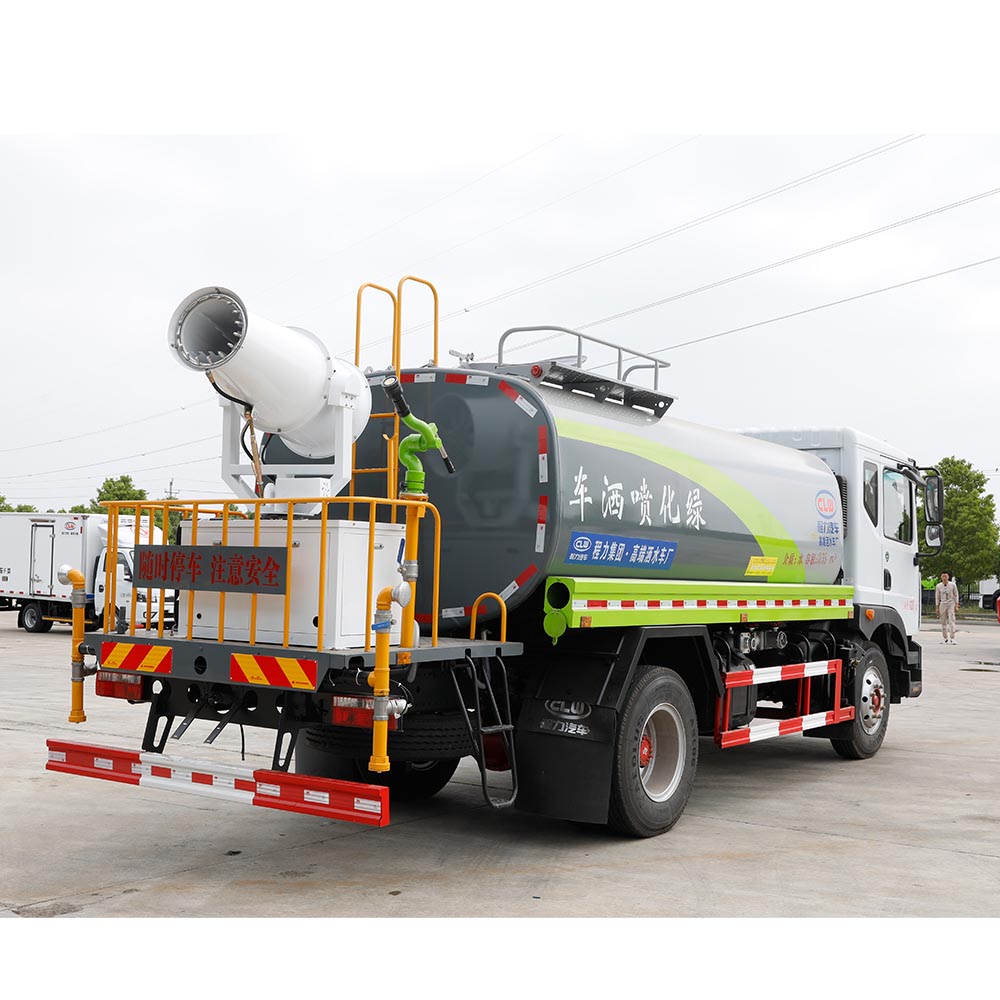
<point>656,755</point>
<point>32,620</point>
<point>871,708</point>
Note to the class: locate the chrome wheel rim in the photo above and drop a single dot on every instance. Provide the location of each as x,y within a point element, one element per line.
<point>873,700</point>
<point>662,752</point>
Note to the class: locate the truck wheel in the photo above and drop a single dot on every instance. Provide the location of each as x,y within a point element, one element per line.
<point>871,711</point>
<point>411,780</point>
<point>656,755</point>
<point>407,781</point>
<point>32,620</point>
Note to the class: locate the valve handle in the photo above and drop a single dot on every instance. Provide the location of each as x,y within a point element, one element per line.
<point>448,463</point>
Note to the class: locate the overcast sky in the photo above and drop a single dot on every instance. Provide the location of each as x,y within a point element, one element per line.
<point>104,236</point>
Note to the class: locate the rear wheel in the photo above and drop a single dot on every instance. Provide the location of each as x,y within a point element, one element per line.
<point>871,709</point>
<point>656,755</point>
<point>407,781</point>
<point>32,620</point>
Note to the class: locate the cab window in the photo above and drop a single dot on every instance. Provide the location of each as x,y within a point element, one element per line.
<point>897,506</point>
<point>123,567</point>
<point>871,491</point>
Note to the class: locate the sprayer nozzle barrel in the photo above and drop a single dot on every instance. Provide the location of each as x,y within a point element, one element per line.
<point>394,391</point>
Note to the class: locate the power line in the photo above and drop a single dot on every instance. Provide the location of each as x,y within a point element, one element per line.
<point>682,227</point>
<point>571,194</point>
<point>812,309</point>
<point>410,215</point>
<point>108,461</point>
<point>766,267</point>
<point>104,430</point>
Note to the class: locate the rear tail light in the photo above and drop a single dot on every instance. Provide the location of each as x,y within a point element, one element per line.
<point>360,712</point>
<point>111,684</point>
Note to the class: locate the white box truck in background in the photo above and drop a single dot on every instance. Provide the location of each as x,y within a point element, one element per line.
<point>32,548</point>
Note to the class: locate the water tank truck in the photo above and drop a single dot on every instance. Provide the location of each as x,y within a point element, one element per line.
<point>576,592</point>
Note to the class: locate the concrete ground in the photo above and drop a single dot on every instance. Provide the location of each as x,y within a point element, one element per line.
<point>779,828</point>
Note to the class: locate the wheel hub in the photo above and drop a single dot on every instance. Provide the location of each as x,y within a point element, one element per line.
<point>645,750</point>
<point>872,700</point>
<point>662,752</point>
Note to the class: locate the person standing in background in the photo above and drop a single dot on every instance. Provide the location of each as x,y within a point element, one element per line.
<point>945,602</point>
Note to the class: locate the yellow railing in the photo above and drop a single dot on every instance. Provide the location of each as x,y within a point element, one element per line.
<point>146,513</point>
<point>391,467</point>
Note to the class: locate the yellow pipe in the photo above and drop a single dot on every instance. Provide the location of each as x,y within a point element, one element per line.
<point>253,596</point>
<point>414,512</point>
<point>321,611</point>
<point>371,575</point>
<point>379,680</point>
<point>194,541</point>
<point>222,594</point>
<point>288,575</point>
<point>76,712</point>
<point>135,544</point>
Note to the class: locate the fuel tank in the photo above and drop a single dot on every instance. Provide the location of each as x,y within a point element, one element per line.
<point>553,482</point>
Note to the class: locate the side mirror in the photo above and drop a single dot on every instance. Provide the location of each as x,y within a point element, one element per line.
<point>933,536</point>
<point>933,501</point>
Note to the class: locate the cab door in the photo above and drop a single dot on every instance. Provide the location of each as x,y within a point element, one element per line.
<point>123,587</point>
<point>43,539</point>
<point>900,577</point>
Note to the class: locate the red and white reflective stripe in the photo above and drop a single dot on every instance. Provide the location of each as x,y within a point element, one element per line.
<point>519,582</point>
<point>765,729</point>
<point>467,379</point>
<point>789,672</point>
<point>508,390</point>
<point>543,516</point>
<point>543,454</point>
<point>332,799</point>
<point>418,377</point>
<point>696,604</point>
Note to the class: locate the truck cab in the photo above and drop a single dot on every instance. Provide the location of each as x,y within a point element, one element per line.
<point>878,493</point>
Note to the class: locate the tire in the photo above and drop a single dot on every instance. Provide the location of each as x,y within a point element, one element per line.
<point>407,781</point>
<point>871,711</point>
<point>656,754</point>
<point>32,620</point>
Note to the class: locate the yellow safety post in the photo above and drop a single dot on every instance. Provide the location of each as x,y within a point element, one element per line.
<point>68,575</point>
<point>378,679</point>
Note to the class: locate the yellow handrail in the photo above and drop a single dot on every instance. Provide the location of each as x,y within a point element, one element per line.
<point>503,614</point>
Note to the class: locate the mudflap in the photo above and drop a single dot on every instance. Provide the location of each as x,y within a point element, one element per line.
<point>564,759</point>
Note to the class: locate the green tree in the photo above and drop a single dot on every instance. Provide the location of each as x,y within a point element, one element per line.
<point>970,531</point>
<point>119,488</point>
<point>21,507</point>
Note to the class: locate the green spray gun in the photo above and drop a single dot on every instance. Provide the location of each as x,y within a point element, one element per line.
<point>424,438</point>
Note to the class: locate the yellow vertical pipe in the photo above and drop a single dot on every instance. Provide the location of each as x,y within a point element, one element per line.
<point>379,681</point>
<point>253,597</point>
<point>414,512</point>
<point>135,542</point>
<point>110,562</point>
<point>149,590</point>
<point>371,576</point>
<point>163,593</point>
<point>194,541</point>
<point>288,573</point>
<point>322,573</point>
<point>222,594</point>
<point>76,713</point>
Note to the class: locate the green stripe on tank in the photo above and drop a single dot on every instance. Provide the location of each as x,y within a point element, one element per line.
<point>565,589</point>
<point>769,533</point>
